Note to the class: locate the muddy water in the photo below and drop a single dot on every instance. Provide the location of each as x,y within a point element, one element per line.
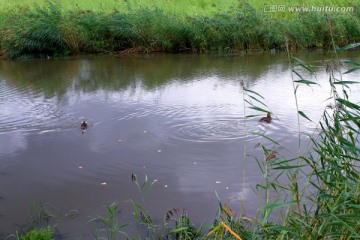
<point>175,118</point>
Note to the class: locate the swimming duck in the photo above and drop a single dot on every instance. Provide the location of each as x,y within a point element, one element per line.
<point>84,125</point>
<point>266,119</point>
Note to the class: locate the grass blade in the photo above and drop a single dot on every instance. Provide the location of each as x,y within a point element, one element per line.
<point>347,47</point>
<point>304,115</point>
<point>351,70</point>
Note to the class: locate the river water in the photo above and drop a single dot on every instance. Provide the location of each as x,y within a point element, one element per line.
<point>178,119</point>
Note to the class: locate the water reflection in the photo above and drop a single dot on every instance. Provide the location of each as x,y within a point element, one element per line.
<point>177,118</point>
<point>54,77</point>
<point>12,142</point>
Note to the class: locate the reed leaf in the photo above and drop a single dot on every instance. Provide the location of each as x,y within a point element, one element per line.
<point>348,103</point>
<point>264,136</point>
<point>304,115</point>
<point>259,109</point>
<point>346,82</point>
<point>307,82</point>
<point>304,65</point>
<point>347,47</point>
<point>351,70</point>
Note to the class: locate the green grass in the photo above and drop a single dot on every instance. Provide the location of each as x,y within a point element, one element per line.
<point>183,7</point>
<point>46,233</point>
<point>39,227</point>
<point>54,29</point>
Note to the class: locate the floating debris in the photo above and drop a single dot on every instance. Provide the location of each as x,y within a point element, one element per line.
<point>133,177</point>
<point>103,183</point>
<point>80,167</point>
<point>166,186</point>
<point>227,188</point>
<point>119,140</point>
<point>218,182</point>
<point>159,151</point>
<point>145,131</point>
<point>72,213</point>
<point>195,163</point>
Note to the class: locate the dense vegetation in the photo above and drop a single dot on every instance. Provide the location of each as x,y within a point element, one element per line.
<point>57,29</point>
<point>183,7</point>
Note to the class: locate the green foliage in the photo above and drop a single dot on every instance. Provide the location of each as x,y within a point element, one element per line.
<point>328,205</point>
<point>55,29</point>
<point>37,234</point>
<point>42,31</point>
<point>39,226</point>
<point>110,229</point>
<point>93,31</point>
<point>145,187</point>
<point>228,32</point>
<point>183,228</point>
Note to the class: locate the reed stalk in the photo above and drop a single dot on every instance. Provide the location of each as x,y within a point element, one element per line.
<point>243,209</point>
<point>295,175</point>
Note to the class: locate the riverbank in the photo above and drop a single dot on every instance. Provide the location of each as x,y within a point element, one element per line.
<point>54,29</point>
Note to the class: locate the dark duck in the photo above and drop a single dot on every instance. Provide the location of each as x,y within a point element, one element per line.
<point>84,125</point>
<point>266,119</point>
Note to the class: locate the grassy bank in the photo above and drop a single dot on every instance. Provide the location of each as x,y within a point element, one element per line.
<point>58,29</point>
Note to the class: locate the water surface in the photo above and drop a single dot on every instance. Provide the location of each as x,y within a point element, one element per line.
<point>175,118</point>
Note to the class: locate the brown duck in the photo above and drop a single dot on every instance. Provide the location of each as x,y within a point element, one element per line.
<point>266,119</point>
<point>84,125</point>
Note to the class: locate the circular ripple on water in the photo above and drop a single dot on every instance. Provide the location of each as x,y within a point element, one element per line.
<point>23,109</point>
<point>196,123</point>
<point>211,131</point>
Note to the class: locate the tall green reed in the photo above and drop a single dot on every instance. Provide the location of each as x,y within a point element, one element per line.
<point>40,32</point>
<point>327,206</point>
<point>176,224</point>
<point>111,228</point>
